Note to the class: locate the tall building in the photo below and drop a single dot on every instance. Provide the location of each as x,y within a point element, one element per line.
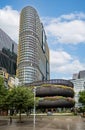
<point>33,51</point>
<point>81,74</point>
<point>8,53</point>
<point>79,85</point>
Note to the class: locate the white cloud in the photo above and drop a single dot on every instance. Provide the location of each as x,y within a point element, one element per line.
<point>63,63</point>
<point>59,56</point>
<point>9,22</point>
<point>73,16</point>
<point>66,29</point>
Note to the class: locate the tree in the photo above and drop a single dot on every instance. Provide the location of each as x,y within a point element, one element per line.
<point>20,98</point>
<point>82,97</point>
<point>3,95</point>
<point>82,100</point>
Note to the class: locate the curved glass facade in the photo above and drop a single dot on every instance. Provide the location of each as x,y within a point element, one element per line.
<point>32,59</point>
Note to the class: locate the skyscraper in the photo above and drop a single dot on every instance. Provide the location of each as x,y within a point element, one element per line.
<point>33,51</point>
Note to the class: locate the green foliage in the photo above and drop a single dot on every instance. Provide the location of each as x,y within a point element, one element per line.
<point>20,98</point>
<point>54,98</point>
<point>1,82</point>
<point>3,94</point>
<point>82,97</point>
<point>57,86</point>
<point>81,109</point>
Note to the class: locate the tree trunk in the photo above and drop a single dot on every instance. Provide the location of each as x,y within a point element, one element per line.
<point>20,116</point>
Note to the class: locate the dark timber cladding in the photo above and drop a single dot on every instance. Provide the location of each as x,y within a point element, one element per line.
<point>54,93</point>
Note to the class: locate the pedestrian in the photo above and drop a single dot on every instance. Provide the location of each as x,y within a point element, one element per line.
<point>10,119</point>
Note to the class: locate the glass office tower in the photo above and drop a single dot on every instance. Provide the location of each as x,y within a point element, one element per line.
<point>8,53</point>
<point>33,51</point>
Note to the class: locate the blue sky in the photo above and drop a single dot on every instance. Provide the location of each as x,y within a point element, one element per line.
<point>64,23</point>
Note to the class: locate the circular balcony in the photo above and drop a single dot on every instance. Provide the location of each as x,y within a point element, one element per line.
<point>52,81</point>
<point>54,103</point>
<point>54,93</point>
<point>53,90</point>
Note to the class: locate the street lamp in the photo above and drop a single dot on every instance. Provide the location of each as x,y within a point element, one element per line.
<point>34,113</point>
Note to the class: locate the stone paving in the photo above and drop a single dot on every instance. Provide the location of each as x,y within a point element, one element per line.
<point>47,123</point>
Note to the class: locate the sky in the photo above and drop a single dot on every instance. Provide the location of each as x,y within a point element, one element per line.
<point>64,24</point>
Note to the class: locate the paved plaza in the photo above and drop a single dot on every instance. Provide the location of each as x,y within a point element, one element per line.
<point>46,123</point>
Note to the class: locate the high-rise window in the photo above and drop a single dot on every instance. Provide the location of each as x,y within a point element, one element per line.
<point>31,62</point>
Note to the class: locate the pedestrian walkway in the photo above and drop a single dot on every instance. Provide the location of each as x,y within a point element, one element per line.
<point>48,123</point>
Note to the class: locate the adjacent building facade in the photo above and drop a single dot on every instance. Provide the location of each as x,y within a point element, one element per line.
<point>8,53</point>
<point>79,85</point>
<point>33,51</point>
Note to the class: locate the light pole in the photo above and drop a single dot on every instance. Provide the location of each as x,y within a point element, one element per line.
<point>34,113</point>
